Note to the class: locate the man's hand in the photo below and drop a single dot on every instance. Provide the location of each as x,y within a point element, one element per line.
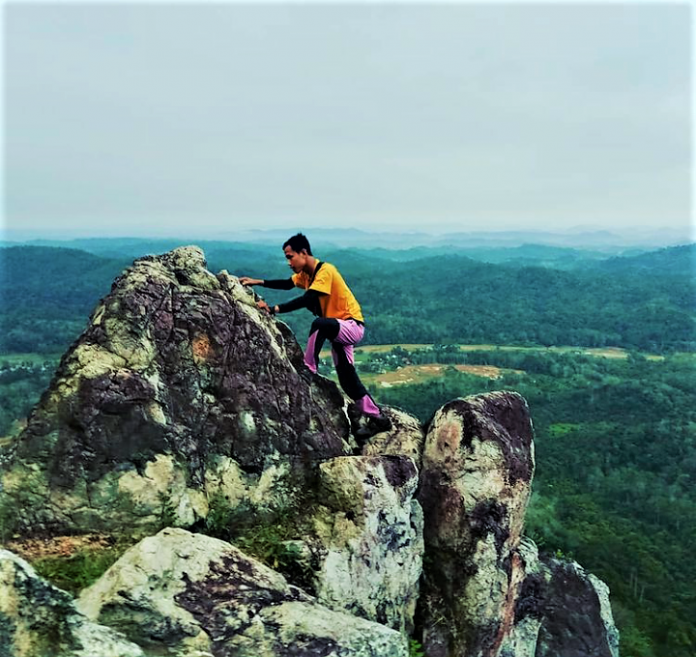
<point>264,306</point>
<point>245,280</point>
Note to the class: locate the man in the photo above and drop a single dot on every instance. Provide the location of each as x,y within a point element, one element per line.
<point>339,320</point>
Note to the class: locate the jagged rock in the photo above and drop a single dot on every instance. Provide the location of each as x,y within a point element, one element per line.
<point>181,592</point>
<point>475,483</point>
<point>405,438</point>
<point>368,538</point>
<point>38,620</point>
<point>177,375</point>
<point>560,610</point>
<point>486,592</point>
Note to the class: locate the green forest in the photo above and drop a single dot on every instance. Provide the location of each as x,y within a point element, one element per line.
<point>643,302</point>
<point>616,461</point>
<point>615,437</point>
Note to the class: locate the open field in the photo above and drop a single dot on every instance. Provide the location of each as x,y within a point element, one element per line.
<point>597,352</point>
<point>33,359</point>
<point>422,373</point>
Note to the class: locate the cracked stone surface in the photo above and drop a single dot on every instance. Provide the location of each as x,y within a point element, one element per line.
<point>37,619</point>
<point>176,370</point>
<point>179,592</point>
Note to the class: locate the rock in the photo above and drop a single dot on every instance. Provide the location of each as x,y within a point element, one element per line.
<point>406,437</point>
<point>178,592</point>
<point>177,369</point>
<point>368,539</point>
<point>37,619</point>
<point>486,592</point>
<point>576,616</point>
<point>475,483</point>
<point>560,610</point>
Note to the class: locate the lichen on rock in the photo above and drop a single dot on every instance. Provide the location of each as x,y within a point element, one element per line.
<point>178,591</point>
<point>37,619</point>
<point>172,368</point>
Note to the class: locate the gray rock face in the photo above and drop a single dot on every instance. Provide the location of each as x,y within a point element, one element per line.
<point>575,615</point>
<point>560,610</point>
<point>184,593</point>
<point>39,620</point>
<point>405,438</point>
<point>369,538</point>
<point>485,591</point>
<point>475,483</point>
<point>176,369</point>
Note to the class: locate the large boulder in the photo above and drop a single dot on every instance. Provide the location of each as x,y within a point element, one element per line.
<point>476,477</point>
<point>37,619</point>
<point>486,592</point>
<point>177,375</point>
<point>368,538</point>
<point>182,593</point>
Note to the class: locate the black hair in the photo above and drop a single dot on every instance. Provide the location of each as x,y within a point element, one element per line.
<point>297,243</point>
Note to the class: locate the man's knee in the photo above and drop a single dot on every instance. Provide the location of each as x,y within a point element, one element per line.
<point>329,328</point>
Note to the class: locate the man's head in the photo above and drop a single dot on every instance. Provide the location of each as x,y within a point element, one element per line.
<point>298,243</point>
<point>299,254</point>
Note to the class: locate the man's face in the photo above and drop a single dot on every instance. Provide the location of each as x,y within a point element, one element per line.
<point>297,261</point>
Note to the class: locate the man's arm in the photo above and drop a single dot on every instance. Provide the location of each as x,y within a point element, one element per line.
<point>275,284</point>
<point>309,300</point>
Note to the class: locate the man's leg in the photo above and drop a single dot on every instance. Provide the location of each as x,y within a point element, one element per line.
<point>322,329</point>
<point>349,334</point>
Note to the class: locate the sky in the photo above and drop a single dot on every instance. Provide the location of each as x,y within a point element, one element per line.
<point>153,119</point>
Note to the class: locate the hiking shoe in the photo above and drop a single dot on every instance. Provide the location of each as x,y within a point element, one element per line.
<point>372,426</point>
<point>307,375</point>
<point>354,413</point>
<point>380,423</point>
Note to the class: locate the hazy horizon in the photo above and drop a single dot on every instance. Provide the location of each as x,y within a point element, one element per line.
<point>579,237</point>
<point>159,121</point>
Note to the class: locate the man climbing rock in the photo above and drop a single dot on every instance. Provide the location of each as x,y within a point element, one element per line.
<point>339,320</point>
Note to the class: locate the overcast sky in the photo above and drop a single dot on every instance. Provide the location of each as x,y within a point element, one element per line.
<point>182,119</point>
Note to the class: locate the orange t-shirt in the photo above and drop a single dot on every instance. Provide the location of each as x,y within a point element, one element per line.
<point>335,298</point>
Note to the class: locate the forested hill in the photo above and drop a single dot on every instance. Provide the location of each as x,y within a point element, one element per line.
<point>675,261</point>
<point>48,293</point>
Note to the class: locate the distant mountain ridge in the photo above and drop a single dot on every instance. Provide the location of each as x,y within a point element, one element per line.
<point>676,261</point>
<point>518,248</point>
<point>608,241</point>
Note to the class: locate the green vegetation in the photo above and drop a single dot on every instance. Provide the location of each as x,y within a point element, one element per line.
<point>47,295</point>
<point>644,303</point>
<point>616,462</point>
<point>615,438</point>
<point>269,536</point>
<point>21,385</point>
<point>415,649</point>
<point>80,569</point>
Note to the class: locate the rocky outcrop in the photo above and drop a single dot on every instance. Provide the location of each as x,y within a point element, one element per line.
<point>182,593</point>
<point>475,483</point>
<point>404,439</point>
<point>37,619</point>
<point>486,592</point>
<point>176,372</point>
<point>182,405</point>
<point>559,610</point>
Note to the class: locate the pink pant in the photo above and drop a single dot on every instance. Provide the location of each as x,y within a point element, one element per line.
<point>343,335</point>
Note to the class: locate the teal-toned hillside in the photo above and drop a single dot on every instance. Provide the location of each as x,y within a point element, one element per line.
<point>48,293</point>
